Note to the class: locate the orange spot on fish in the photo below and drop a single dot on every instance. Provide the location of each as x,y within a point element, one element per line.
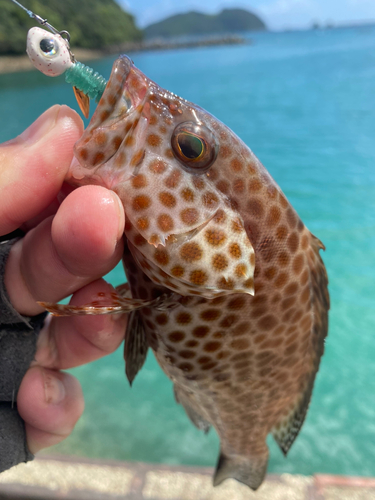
<point>198,277</point>
<point>137,158</point>
<point>165,222</point>
<point>139,181</point>
<point>173,179</point>
<point>98,158</point>
<point>187,194</point>
<point>84,154</point>
<point>157,166</point>
<point>104,115</point>
<point>161,256</point>
<point>215,237</point>
<point>236,165</point>
<point>219,262</point>
<point>100,138</point>
<point>116,141</point>
<point>142,224</point>
<point>154,140</point>
<point>189,216</point>
<point>129,140</point>
<point>167,199</point>
<point>177,271</point>
<point>191,252</point>
<point>141,202</point>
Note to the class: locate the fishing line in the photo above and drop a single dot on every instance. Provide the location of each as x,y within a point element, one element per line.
<point>45,51</point>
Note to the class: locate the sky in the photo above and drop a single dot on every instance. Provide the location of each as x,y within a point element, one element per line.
<point>277,14</point>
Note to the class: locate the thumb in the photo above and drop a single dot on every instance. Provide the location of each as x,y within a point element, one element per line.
<point>34,165</point>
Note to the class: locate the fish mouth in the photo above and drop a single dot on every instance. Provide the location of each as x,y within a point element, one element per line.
<point>124,93</point>
<point>117,99</point>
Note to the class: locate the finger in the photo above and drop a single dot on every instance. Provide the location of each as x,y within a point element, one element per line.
<point>34,165</point>
<point>82,243</point>
<point>50,402</point>
<point>72,341</point>
<point>51,209</point>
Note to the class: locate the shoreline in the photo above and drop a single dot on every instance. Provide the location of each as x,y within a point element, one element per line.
<point>16,64</point>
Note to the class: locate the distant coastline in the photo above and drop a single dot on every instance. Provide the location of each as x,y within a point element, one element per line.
<point>195,23</point>
<point>14,64</point>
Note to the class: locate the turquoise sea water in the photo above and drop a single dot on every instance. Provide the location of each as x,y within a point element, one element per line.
<point>305,103</point>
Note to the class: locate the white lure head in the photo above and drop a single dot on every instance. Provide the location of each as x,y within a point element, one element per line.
<point>48,52</point>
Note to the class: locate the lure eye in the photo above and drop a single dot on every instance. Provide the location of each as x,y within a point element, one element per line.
<point>194,146</point>
<point>48,52</point>
<point>49,47</point>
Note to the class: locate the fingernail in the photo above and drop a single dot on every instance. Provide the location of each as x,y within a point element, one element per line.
<point>41,127</point>
<point>120,210</point>
<point>54,390</point>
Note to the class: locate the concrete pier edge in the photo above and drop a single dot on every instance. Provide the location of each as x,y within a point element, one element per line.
<point>51,477</point>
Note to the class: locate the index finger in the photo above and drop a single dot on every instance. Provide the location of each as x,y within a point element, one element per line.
<point>34,165</point>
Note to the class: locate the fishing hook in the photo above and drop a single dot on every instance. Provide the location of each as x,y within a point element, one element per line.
<point>64,34</point>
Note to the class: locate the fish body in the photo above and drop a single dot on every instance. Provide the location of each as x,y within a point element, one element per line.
<point>208,227</point>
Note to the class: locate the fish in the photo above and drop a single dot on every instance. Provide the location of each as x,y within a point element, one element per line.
<point>225,284</point>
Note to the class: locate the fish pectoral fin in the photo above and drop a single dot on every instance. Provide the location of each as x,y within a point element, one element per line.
<point>119,302</point>
<point>199,422</point>
<point>136,346</point>
<point>83,101</point>
<point>69,310</point>
<point>247,470</point>
<point>124,291</point>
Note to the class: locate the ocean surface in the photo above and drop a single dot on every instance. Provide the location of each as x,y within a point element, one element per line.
<point>305,104</point>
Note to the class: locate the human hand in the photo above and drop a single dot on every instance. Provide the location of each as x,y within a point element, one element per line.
<point>66,250</point>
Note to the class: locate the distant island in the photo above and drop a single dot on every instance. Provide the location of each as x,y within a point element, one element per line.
<point>197,23</point>
<point>92,24</point>
<point>101,27</point>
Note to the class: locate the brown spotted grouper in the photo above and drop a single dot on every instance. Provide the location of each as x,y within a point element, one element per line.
<point>226,284</point>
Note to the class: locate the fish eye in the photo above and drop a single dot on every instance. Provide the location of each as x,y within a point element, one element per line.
<point>48,46</point>
<point>194,146</point>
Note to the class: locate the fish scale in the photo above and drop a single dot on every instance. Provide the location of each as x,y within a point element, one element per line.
<point>242,333</point>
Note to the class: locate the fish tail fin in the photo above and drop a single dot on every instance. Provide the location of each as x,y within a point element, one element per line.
<point>248,470</point>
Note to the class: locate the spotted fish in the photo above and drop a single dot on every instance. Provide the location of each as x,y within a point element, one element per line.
<point>226,284</point>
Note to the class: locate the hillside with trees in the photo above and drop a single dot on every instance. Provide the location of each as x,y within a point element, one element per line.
<point>196,23</point>
<point>92,24</point>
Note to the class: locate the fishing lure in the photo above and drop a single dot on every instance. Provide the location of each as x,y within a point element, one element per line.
<point>50,53</point>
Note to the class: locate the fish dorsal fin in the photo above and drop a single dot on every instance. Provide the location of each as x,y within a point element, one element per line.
<point>286,431</point>
<point>136,345</point>
<point>247,470</point>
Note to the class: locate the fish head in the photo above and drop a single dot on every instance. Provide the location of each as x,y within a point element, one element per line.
<point>162,155</point>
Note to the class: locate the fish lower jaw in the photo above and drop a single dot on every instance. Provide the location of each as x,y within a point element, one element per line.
<point>81,176</point>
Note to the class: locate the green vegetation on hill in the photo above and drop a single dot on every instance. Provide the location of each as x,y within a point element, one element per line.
<point>92,24</point>
<point>196,23</point>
